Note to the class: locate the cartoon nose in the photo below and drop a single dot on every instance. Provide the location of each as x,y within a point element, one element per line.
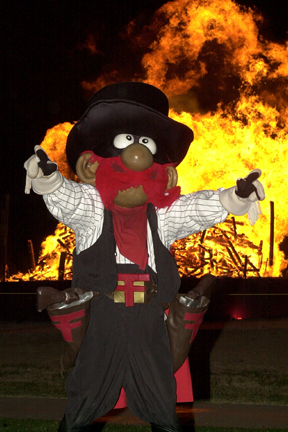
<point>137,157</point>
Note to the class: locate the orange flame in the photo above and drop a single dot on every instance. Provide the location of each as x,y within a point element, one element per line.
<point>227,149</point>
<point>203,50</point>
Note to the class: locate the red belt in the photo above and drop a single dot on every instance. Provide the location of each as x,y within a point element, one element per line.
<point>131,288</point>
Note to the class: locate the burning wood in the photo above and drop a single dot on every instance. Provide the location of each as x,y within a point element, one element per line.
<point>220,251</point>
<point>32,255</point>
<point>55,260</point>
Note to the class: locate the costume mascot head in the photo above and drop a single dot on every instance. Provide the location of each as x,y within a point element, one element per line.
<point>128,124</point>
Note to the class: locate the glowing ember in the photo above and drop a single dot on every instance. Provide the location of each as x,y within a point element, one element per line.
<point>238,318</point>
<point>195,52</point>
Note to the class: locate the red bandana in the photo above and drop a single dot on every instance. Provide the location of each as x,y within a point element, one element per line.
<point>130,231</point>
<point>112,177</point>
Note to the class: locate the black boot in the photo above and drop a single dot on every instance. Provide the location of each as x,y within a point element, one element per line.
<point>157,428</point>
<point>62,426</point>
<point>97,427</point>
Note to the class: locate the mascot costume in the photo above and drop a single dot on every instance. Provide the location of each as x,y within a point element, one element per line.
<point>126,213</point>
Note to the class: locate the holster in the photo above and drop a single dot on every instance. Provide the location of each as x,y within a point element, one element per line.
<point>183,321</point>
<point>182,324</point>
<point>70,316</point>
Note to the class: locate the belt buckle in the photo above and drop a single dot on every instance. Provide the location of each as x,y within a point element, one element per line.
<point>130,288</point>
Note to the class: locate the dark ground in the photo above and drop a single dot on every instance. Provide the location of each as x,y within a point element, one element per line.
<point>243,361</point>
<point>238,368</point>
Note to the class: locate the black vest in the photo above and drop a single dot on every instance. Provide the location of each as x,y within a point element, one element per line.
<point>95,268</point>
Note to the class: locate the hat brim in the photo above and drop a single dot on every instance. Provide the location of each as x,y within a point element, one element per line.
<point>103,120</point>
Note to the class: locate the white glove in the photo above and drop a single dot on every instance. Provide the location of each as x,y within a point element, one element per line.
<point>244,197</point>
<point>42,174</point>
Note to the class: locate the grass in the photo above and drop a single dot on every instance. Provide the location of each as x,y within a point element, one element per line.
<point>14,425</point>
<point>260,387</point>
<point>31,380</point>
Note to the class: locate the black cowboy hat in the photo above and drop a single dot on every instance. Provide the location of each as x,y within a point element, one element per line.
<point>133,108</point>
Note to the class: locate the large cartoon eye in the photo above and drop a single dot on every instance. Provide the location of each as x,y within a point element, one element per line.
<point>150,143</point>
<point>122,141</point>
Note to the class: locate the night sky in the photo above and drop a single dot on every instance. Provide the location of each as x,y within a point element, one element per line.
<point>43,63</point>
